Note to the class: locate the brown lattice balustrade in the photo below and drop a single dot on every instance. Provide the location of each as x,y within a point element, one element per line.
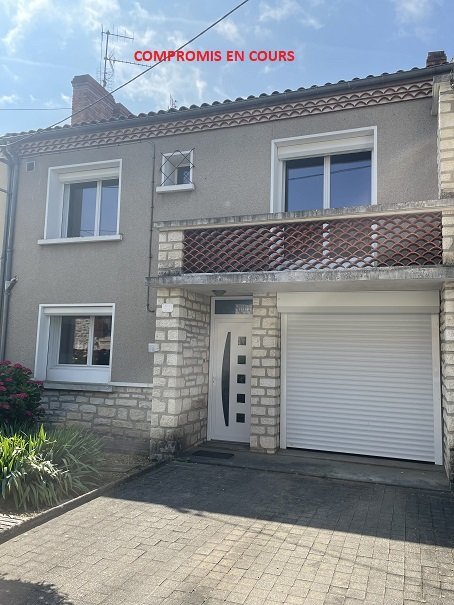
<point>399,240</point>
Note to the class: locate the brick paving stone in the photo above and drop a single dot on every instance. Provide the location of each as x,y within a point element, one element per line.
<point>189,534</point>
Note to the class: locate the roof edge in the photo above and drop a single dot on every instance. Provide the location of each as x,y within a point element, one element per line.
<point>217,107</point>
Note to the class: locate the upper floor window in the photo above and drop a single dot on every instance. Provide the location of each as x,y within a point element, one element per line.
<point>331,181</point>
<point>330,170</point>
<point>83,202</point>
<point>90,208</point>
<point>176,171</point>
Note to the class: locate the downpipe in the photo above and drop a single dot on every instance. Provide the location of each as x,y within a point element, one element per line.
<point>7,282</point>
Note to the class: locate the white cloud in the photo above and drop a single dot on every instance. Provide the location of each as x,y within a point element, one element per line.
<point>310,21</point>
<point>184,81</point>
<point>139,13</point>
<point>26,13</point>
<point>8,99</point>
<point>92,13</point>
<point>229,30</point>
<point>30,15</point>
<point>411,11</point>
<point>287,9</point>
<point>10,73</point>
<point>280,11</point>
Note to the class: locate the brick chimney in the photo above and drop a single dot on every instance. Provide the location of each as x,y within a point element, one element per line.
<point>86,90</point>
<point>436,57</point>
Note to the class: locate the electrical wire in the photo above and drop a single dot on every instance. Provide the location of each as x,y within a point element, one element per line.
<point>32,134</point>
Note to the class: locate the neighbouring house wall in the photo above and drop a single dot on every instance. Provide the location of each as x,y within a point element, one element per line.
<point>446,140</point>
<point>447,374</point>
<point>122,416</point>
<point>180,394</point>
<point>265,374</point>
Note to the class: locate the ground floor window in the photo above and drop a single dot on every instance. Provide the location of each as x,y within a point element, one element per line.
<point>75,343</point>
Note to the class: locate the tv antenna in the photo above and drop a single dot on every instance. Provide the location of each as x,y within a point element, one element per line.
<point>108,70</point>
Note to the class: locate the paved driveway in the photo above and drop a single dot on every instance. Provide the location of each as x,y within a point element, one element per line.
<point>192,534</point>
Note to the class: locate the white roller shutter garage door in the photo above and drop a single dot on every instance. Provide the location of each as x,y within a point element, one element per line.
<point>360,383</point>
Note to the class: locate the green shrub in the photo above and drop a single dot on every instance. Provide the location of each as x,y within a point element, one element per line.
<point>44,468</point>
<point>20,396</point>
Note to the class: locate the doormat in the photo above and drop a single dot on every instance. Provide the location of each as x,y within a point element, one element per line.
<point>208,454</point>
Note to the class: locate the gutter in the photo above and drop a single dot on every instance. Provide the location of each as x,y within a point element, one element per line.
<point>6,260</point>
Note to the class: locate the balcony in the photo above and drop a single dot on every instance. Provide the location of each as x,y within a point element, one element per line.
<point>360,243</point>
<point>385,241</point>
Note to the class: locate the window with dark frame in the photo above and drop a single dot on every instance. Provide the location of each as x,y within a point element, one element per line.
<point>332,181</point>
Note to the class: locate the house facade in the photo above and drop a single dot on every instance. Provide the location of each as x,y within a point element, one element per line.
<point>276,271</point>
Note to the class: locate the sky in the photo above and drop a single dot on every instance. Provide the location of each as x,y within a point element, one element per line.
<point>45,43</point>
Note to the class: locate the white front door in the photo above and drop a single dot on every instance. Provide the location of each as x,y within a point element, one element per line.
<point>230,369</point>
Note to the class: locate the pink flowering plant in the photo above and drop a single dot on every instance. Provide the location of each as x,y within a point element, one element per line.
<point>20,396</point>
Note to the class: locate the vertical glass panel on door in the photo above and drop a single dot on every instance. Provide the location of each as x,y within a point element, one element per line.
<point>101,341</point>
<point>81,209</point>
<point>350,178</point>
<point>74,337</point>
<point>109,207</point>
<point>304,184</point>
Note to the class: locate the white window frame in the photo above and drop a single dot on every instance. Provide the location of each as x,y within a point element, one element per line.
<point>320,145</point>
<point>59,179</point>
<point>174,187</point>
<point>48,340</point>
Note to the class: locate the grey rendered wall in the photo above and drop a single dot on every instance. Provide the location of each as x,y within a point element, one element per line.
<point>109,272</point>
<point>3,185</point>
<point>232,176</point>
<point>232,165</point>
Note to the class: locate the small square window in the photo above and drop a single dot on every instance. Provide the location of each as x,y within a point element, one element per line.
<point>241,341</point>
<point>241,359</point>
<point>177,170</point>
<point>241,378</point>
<point>241,418</point>
<point>240,398</point>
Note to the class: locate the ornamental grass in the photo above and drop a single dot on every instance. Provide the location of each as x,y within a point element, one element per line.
<point>39,468</point>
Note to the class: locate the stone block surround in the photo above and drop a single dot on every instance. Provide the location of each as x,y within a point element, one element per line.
<point>446,140</point>
<point>123,416</point>
<point>180,374</point>
<point>447,375</point>
<point>265,374</point>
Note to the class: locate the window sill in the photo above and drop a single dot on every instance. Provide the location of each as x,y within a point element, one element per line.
<point>174,188</point>
<point>77,386</point>
<point>80,240</point>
